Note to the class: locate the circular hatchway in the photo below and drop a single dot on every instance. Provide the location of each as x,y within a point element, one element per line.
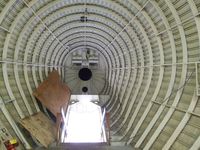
<point>85,74</point>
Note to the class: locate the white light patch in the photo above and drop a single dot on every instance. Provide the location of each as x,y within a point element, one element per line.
<point>84,123</point>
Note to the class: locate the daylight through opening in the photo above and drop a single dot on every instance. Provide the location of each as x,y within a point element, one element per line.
<point>84,121</point>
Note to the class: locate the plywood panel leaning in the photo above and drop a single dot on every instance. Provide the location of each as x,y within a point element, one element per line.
<point>41,128</point>
<point>52,93</point>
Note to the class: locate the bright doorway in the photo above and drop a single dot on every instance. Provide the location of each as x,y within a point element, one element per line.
<point>84,121</point>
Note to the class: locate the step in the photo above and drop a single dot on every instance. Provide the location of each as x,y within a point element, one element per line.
<point>87,146</point>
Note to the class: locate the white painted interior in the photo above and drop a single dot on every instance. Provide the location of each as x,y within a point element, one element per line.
<point>148,64</point>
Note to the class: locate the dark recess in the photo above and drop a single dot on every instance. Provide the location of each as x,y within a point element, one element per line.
<point>85,74</point>
<point>84,89</point>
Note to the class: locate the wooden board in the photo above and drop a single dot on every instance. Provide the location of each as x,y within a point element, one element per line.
<point>53,94</point>
<point>41,128</point>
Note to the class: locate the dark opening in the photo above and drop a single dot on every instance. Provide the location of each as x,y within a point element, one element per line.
<point>84,89</point>
<point>85,74</point>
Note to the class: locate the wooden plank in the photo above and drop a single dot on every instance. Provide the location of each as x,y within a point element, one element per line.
<point>41,128</point>
<point>53,94</point>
